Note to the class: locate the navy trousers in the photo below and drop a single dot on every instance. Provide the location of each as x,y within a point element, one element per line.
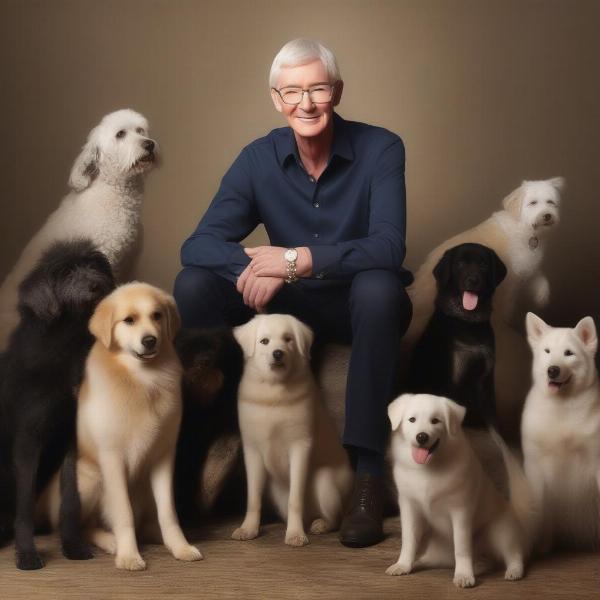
<point>372,312</point>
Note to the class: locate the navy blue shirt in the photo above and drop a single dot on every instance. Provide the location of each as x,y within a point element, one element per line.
<point>352,219</point>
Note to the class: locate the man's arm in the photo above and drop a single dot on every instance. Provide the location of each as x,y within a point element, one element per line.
<point>215,244</point>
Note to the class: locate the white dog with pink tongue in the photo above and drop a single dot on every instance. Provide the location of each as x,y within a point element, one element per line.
<point>451,512</point>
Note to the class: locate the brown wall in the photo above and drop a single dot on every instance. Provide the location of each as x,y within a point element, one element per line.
<point>485,93</point>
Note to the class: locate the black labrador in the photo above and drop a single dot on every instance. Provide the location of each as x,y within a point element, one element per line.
<point>456,354</point>
<point>40,373</point>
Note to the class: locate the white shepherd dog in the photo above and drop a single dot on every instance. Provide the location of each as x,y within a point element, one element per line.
<point>104,204</point>
<point>561,433</point>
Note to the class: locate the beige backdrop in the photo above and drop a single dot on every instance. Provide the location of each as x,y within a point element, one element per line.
<point>485,93</point>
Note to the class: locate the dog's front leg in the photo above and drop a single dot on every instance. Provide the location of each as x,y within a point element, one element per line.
<point>117,508</point>
<point>299,462</point>
<point>462,530</point>
<point>161,479</point>
<point>256,475</point>
<point>412,530</point>
<point>26,457</point>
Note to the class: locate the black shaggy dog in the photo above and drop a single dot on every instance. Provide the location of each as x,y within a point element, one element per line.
<point>455,356</point>
<point>41,370</point>
<point>212,364</point>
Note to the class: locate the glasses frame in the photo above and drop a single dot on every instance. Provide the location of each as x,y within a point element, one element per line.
<point>308,91</point>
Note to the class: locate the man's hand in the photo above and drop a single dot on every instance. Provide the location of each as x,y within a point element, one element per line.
<point>268,261</point>
<point>257,291</point>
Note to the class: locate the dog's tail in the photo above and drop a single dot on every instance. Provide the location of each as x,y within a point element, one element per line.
<point>521,496</point>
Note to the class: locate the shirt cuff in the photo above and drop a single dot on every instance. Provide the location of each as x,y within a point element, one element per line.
<point>325,261</point>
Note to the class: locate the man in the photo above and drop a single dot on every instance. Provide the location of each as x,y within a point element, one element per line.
<point>331,196</point>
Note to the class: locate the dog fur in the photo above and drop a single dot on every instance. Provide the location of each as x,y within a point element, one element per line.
<point>41,369</point>
<point>451,512</point>
<point>107,184</point>
<point>561,433</point>
<point>455,356</point>
<point>287,435</point>
<point>129,413</point>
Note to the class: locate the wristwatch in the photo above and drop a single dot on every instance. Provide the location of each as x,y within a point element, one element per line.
<point>290,256</point>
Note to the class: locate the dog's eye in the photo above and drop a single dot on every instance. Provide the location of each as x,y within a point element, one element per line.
<point>533,203</point>
<point>121,133</point>
<point>140,130</point>
<point>287,339</point>
<point>128,320</point>
<point>434,421</point>
<point>264,341</point>
<point>412,419</point>
<point>156,316</point>
<point>547,350</point>
<point>551,202</point>
<point>568,353</point>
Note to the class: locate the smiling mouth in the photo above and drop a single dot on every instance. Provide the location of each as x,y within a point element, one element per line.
<point>423,455</point>
<point>146,355</point>
<point>557,385</point>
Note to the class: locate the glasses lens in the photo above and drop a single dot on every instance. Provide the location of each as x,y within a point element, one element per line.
<point>291,95</point>
<point>321,93</point>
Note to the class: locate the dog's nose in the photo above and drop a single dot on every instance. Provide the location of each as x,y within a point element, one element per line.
<point>277,354</point>
<point>547,217</point>
<point>148,145</point>
<point>472,281</point>
<point>149,341</point>
<point>422,438</point>
<point>553,372</point>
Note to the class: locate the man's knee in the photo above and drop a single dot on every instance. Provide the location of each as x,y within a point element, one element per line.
<point>193,283</point>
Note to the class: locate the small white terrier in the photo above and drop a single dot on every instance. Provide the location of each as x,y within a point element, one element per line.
<point>561,433</point>
<point>104,204</point>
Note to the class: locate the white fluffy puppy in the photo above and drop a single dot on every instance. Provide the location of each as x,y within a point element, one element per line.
<point>128,417</point>
<point>450,510</point>
<point>518,236</point>
<point>561,433</point>
<point>288,437</point>
<point>104,204</point>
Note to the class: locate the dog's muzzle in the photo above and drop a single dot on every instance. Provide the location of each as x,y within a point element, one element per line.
<point>421,454</point>
<point>278,359</point>
<point>554,383</point>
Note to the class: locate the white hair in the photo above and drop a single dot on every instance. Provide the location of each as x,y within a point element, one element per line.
<point>302,51</point>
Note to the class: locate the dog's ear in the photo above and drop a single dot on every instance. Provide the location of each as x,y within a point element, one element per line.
<point>498,268</point>
<point>303,335</point>
<point>586,332</point>
<point>396,410</point>
<point>443,270</point>
<point>36,294</point>
<point>558,183</point>
<point>85,167</point>
<point>245,336</point>
<point>102,321</point>
<point>535,327</point>
<point>172,314</point>
<point>513,202</point>
<point>453,416</point>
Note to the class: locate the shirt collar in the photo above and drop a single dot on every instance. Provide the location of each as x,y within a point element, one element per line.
<point>341,146</point>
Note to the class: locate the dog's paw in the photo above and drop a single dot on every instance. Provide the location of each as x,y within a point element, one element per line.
<point>514,572</point>
<point>29,561</point>
<point>464,580</point>
<point>243,534</point>
<point>398,569</point>
<point>76,550</point>
<point>296,539</point>
<point>188,553</point>
<point>132,562</point>
<point>320,526</point>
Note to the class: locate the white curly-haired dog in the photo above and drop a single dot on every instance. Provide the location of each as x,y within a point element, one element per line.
<point>104,204</point>
<point>518,234</point>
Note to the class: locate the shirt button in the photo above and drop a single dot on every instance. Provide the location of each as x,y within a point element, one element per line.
<point>316,205</point>
<point>315,235</point>
<point>320,275</point>
<point>312,179</point>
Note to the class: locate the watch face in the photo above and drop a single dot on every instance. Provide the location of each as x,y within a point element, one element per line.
<point>291,255</point>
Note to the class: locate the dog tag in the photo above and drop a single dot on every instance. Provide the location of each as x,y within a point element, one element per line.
<point>533,242</point>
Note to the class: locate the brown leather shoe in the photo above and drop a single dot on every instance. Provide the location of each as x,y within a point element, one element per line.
<point>363,522</point>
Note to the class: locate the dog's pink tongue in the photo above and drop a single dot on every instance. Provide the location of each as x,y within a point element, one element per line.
<point>420,455</point>
<point>470,300</point>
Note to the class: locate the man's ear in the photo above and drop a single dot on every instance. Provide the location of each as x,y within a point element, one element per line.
<point>397,408</point>
<point>245,336</point>
<point>277,101</point>
<point>337,93</point>
<point>453,416</point>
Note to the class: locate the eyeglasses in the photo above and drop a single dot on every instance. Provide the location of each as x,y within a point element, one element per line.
<point>318,94</point>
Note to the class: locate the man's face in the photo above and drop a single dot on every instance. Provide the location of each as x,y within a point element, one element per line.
<point>307,119</point>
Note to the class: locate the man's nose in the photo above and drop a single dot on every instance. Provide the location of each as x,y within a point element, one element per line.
<point>306,103</point>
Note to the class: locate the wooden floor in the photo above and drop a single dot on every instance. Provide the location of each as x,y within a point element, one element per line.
<point>266,568</point>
